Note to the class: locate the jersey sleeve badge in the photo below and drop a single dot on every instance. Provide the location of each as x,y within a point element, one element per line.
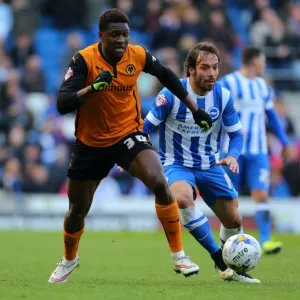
<point>69,74</point>
<point>161,100</point>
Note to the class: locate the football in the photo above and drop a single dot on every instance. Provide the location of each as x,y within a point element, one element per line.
<point>241,253</point>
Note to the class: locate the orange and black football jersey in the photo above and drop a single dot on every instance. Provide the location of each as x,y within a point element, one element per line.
<point>114,112</point>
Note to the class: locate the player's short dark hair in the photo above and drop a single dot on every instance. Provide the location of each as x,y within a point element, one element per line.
<point>113,15</point>
<point>193,54</point>
<point>249,53</point>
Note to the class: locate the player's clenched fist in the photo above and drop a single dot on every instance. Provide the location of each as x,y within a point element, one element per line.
<point>203,119</point>
<point>103,80</point>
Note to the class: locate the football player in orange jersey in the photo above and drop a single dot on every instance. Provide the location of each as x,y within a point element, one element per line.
<point>101,86</point>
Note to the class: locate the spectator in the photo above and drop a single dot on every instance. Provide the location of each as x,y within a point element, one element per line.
<point>6,18</point>
<point>136,18</point>
<point>192,24</point>
<point>66,14</point>
<point>220,32</point>
<point>261,28</point>
<point>15,112</point>
<point>33,77</point>
<point>22,49</point>
<point>169,30</point>
<point>291,174</point>
<point>153,12</point>
<point>74,44</point>
<point>25,18</point>
<point>278,185</point>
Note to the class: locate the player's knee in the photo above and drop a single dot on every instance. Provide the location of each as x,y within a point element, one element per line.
<point>184,200</point>
<point>157,182</point>
<point>233,222</point>
<point>78,213</point>
<point>260,196</point>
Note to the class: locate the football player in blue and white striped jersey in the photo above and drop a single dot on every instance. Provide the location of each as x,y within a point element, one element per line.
<point>254,99</point>
<point>190,157</point>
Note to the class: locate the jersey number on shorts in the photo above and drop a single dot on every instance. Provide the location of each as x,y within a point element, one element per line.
<point>130,142</point>
<point>264,176</point>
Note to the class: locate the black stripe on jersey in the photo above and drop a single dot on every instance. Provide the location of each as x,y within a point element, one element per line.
<point>137,110</point>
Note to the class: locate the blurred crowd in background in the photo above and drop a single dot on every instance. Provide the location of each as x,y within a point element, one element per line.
<point>39,37</point>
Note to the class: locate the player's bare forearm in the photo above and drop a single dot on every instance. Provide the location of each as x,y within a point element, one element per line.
<point>82,94</point>
<point>193,107</point>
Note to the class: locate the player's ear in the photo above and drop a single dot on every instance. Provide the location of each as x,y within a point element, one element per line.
<point>191,71</point>
<point>100,34</point>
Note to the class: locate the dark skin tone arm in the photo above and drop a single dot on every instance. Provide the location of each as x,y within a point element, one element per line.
<point>81,95</point>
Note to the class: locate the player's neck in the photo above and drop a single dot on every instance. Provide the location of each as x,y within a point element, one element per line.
<point>105,54</point>
<point>197,90</point>
<point>247,72</point>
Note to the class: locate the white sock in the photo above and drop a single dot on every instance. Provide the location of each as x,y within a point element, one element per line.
<point>226,233</point>
<point>176,255</point>
<point>70,261</point>
<point>189,214</point>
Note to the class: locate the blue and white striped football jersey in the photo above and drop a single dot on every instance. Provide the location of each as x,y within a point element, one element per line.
<point>181,140</point>
<point>252,97</point>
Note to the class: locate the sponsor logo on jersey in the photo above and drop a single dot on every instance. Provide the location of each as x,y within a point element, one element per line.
<point>161,100</point>
<point>118,88</point>
<point>69,73</point>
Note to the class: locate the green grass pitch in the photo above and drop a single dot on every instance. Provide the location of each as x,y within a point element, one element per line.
<point>134,266</point>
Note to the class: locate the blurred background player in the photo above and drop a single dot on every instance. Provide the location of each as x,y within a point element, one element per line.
<point>100,84</point>
<point>254,98</point>
<point>191,158</point>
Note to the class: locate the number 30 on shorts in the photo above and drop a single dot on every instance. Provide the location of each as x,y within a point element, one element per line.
<point>130,141</point>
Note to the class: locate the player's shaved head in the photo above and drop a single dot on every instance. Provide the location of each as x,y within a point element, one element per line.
<point>249,54</point>
<point>193,56</point>
<point>113,15</point>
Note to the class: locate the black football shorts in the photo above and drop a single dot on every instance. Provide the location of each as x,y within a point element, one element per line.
<point>92,163</point>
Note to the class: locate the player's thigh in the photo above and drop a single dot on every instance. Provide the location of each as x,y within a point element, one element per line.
<point>136,155</point>
<point>182,184</point>
<point>258,173</point>
<point>215,184</point>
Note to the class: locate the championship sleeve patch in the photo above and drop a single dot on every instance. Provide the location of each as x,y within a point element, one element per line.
<point>161,100</point>
<point>69,73</point>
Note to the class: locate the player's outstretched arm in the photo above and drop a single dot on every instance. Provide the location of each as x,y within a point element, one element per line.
<point>168,78</point>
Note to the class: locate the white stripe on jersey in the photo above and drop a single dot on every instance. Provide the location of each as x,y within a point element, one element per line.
<point>169,147</point>
<point>152,119</point>
<point>169,136</point>
<point>186,145</point>
<point>269,105</point>
<point>233,128</point>
<point>254,143</point>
